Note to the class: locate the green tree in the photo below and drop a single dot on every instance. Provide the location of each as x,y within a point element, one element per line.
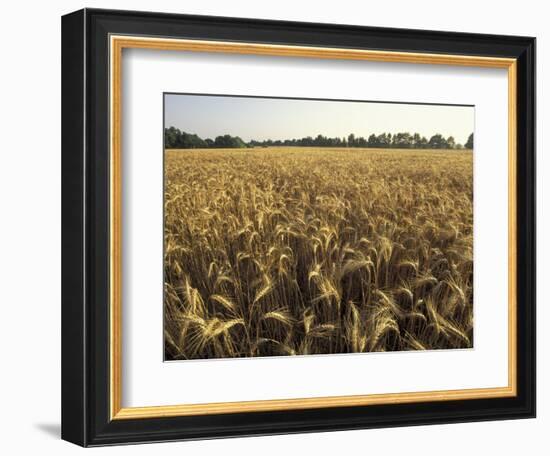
<point>451,143</point>
<point>373,141</point>
<point>229,142</point>
<point>171,137</point>
<point>470,143</point>
<point>437,141</point>
<point>384,140</point>
<point>402,140</point>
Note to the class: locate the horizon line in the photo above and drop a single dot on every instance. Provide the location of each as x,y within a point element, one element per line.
<point>313,136</point>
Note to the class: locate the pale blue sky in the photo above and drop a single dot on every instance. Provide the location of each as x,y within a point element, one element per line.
<point>279,118</point>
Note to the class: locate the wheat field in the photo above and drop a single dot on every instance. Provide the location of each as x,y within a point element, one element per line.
<point>296,251</point>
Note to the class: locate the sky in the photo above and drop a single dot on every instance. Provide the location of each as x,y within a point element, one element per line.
<point>280,118</point>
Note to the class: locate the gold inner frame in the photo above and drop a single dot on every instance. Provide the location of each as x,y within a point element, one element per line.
<point>117,44</point>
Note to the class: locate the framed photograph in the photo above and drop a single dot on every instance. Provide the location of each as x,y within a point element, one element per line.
<point>279,227</point>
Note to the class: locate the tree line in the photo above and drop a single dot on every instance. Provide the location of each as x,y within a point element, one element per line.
<point>177,139</point>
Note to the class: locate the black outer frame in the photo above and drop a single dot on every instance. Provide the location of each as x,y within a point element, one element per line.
<point>85,227</point>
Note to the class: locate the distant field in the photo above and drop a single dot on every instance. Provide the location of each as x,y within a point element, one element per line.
<point>291,251</point>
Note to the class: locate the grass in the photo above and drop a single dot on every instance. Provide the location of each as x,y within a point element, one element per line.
<point>293,251</point>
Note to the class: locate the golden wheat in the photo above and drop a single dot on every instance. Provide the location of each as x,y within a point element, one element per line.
<point>290,251</point>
